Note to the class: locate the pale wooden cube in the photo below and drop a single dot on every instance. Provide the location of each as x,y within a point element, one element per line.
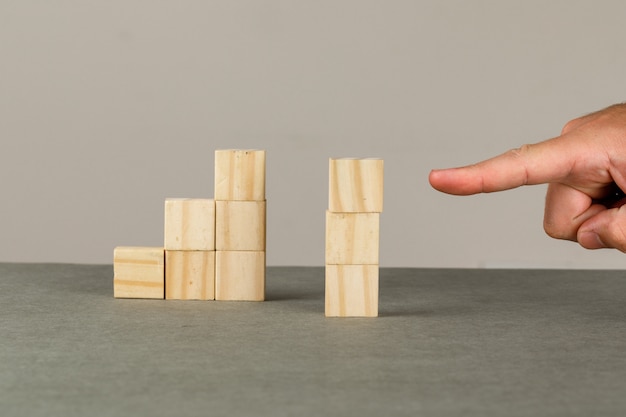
<point>138,272</point>
<point>351,291</point>
<point>189,224</point>
<point>240,174</point>
<point>355,185</point>
<point>189,275</point>
<point>240,225</point>
<point>240,275</point>
<point>352,238</point>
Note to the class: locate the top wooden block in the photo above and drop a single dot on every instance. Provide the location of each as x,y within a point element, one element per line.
<point>240,175</point>
<point>189,224</point>
<point>355,185</point>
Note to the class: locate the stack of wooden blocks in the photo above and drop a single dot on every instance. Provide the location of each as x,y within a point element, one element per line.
<point>213,248</point>
<point>189,249</point>
<point>240,225</point>
<point>352,237</point>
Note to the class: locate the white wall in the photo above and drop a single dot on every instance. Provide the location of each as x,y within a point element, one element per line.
<point>109,107</point>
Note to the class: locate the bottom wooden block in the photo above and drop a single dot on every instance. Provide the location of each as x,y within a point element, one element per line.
<point>351,290</point>
<point>240,275</point>
<point>189,275</point>
<point>138,272</point>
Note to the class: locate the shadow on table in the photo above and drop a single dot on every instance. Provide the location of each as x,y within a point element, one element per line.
<point>281,296</point>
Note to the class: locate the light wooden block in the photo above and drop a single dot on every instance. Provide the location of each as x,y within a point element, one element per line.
<point>240,225</point>
<point>352,238</point>
<point>240,275</point>
<point>189,275</point>
<point>240,175</point>
<point>189,224</point>
<point>351,291</point>
<point>355,185</point>
<point>138,272</point>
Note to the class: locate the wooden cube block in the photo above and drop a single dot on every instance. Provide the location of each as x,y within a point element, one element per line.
<point>138,272</point>
<point>356,185</point>
<point>189,224</point>
<point>351,291</point>
<point>189,275</point>
<point>240,225</point>
<point>240,175</point>
<point>352,238</point>
<point>240,275</point>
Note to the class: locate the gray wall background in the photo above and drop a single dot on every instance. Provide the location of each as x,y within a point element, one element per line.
<point>109,107</point>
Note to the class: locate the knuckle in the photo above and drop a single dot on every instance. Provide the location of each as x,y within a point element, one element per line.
<point>569,126</point>
<point>521,152</point>
<point>557,231</point>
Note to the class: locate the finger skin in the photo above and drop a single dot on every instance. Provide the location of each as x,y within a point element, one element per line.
<point>566,209</point>
<point>538,163</point>
<point>606,229</point>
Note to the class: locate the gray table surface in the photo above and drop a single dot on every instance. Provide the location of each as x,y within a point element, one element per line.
<point>447,343</point>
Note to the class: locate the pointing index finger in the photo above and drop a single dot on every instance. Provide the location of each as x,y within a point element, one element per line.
<point>538,163</point>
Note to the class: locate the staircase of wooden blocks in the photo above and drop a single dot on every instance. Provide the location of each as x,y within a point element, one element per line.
<point>352,237</point>
<point>213,248</point>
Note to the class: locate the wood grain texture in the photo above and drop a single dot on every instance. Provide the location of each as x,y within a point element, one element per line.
<point>138,272</point>
<point>189,224</point>
<point>240,275</point>
<point>240,225</point>
<point>355,185</point>
<point>240,175</point>
<point>351,291</point>
<point>352,238</point>
<point>189,275</point>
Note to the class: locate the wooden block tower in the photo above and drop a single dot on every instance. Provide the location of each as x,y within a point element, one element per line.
<point>352,237</point>
<point>240,225</point>
<point>189,249</point>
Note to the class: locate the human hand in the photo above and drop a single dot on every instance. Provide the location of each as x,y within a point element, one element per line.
<point>584,167</point>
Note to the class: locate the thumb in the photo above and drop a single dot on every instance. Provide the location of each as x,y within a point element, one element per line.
<point>606,229</point>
